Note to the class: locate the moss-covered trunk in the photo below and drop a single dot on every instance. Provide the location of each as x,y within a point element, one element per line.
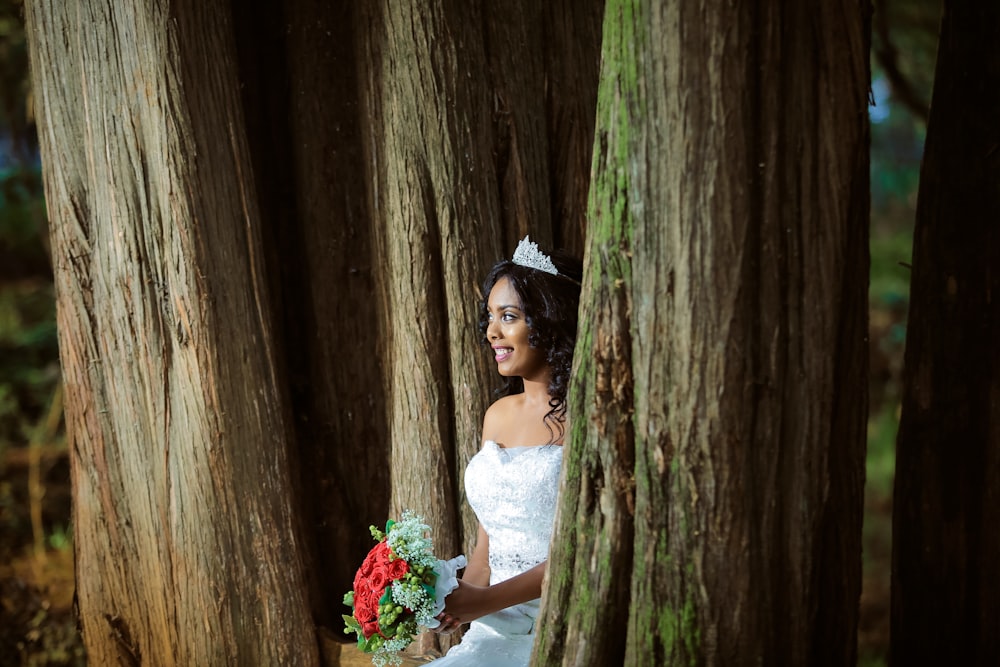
<point>713,490</point>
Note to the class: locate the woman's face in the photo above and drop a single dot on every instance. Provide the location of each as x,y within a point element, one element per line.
<point>507,334</point>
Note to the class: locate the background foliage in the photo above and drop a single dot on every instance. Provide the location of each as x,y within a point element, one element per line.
<point>904,44</point>
<point>36,570</point>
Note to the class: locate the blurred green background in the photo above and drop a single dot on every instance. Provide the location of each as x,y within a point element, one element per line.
<point>36,566</point>
<point>904,44</point>
<point>36,573</point>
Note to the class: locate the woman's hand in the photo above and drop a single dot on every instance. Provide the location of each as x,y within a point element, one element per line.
<point>448,624</point>
<point>464,605</point>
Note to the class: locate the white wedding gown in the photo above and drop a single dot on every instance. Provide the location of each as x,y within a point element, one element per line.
<point>513,492</point>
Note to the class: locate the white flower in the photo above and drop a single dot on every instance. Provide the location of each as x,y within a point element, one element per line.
<point>408,540</point>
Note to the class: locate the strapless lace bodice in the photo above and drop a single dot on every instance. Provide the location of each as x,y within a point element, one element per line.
<point>513,492</point>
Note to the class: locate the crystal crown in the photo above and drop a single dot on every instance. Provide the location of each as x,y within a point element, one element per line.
<point>528,254</point>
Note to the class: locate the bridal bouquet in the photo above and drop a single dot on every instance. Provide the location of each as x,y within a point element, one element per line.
<point>399,588</point>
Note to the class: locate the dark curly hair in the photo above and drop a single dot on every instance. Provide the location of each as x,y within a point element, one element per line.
<point>550,304</point>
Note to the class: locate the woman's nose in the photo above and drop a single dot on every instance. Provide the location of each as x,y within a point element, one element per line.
<point>492,330</point>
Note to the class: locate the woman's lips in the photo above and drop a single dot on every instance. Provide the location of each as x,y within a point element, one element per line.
<point>502,353</point>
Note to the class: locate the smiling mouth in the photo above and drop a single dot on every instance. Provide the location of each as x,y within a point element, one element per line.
<point>502,353</point>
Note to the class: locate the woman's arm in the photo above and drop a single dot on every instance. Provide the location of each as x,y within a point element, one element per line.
<point>471,601</point>
<point>478,570</point>
<point>477,573</point>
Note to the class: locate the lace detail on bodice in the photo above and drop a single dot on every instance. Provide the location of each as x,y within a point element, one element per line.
<point>514,492</point>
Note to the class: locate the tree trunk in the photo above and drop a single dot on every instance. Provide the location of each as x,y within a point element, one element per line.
<point>454,105</point>
<point>722,355</point>
<point>946,505</point>
<point>430,189</point>
<point>301,98</point>
<point>454,102</point>
<point>572,44</point>
<point>186,548</point>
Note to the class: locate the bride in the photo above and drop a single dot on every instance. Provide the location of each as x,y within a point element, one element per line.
<point>529,320</point>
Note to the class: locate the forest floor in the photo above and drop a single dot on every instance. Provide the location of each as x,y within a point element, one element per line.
<point>37,623</point>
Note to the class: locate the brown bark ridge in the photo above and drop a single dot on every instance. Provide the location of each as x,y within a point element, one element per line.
<point>186,552</point>
<point>543,61</point>
<point>946,502</point>
<point>301,100</point>
<point>719,403</point>
<point>430,181</point>
<point>572,45</point>
<point>432,188</point>
<point>512,31</point>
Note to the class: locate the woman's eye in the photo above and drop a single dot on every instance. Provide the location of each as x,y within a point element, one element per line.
<point>508,317</point>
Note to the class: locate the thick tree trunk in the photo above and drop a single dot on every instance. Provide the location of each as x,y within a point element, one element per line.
<point>572,44</point>
<point>454,102</point>
<point>430,186</point>
<point>946,505</point>
<point>186,552</point>
<point>543,61</point>
<point>722,345</point>
<point>458,164</point>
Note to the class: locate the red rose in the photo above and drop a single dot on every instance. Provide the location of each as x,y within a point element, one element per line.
<point>397,569</point>
<point>363,608</point>
<point>366,611</point>
<point>378,579</point>
<point>369,629</point>
<point>374,595</point>
<point>375,574</point>
<point>379,553</point>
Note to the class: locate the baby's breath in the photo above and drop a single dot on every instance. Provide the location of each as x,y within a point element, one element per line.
<point>388,653</point>
<point>414,598</point>
<point>408,540</point>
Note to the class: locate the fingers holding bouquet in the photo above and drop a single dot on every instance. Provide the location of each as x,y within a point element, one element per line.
<point>448,624</point>
<point>468,602</point>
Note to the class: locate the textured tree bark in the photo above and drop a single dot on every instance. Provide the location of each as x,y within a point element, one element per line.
<point>543,62</point>
<point>572,44</point>
<point>945,583</point>
<point>718,402</point>
<point>516,97</point>
<point>301,96</point>
<point>185,541</point>
<point>458,169</point>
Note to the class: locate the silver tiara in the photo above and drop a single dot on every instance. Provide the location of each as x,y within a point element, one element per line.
<point>528,254</point>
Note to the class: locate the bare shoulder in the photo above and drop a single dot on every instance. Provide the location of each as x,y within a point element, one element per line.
<point>498,414</point>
